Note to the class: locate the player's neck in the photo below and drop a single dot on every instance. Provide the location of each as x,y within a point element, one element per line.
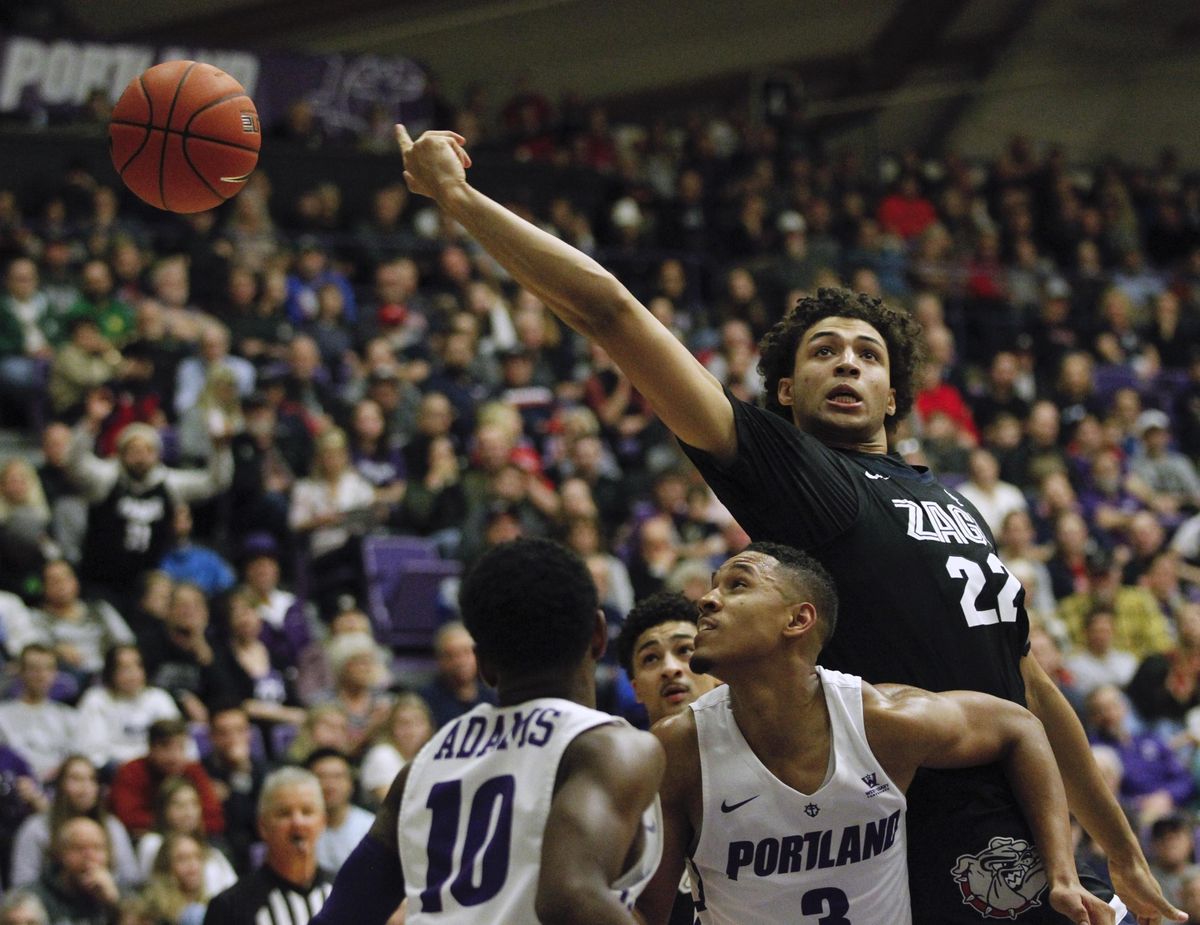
<point>839,440</point>
<point>775,705</point>
<point>578,686</point>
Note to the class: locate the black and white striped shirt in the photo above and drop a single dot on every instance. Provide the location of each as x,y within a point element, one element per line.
<point>265,898</point>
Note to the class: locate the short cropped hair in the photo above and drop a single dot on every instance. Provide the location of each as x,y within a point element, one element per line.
<point>901,334</point>
<point>164,730</point>
<point>287,777</point>
<point>660,607</point>
<point>529,604</point>
<point>811,577</point>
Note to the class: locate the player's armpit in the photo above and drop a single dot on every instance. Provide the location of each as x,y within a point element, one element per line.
<point>608,777</point>
<point>680,783</point>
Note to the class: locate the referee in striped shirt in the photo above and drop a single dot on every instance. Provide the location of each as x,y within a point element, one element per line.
<point>288,889</point>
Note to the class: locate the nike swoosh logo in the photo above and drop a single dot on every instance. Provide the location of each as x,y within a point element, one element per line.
<point>728,808</point>
<point>872,475</point>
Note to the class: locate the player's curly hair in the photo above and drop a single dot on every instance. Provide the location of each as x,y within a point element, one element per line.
<point>901,333</point>
<point>529,604</point>
<point>814,581</point>
<point>660,607</point>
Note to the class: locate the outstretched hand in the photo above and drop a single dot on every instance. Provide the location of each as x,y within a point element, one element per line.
<point>435,162</point>
<point>1142,894</point>
<point>1081,907</point>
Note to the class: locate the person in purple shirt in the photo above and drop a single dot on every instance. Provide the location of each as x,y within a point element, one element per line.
<point>285,628</point>
<point>1155,781</point>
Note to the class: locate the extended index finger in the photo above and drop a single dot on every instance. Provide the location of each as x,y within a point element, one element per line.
<point>406,143</point>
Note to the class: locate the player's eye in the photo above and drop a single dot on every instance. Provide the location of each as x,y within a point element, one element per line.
<point>869,354</point>
<point>649,660</point>
<point>824,351</point>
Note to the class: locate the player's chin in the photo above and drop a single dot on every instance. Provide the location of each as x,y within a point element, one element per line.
<point>701,663</point>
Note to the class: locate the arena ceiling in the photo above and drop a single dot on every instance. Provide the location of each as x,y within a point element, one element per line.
<point>929,63</point>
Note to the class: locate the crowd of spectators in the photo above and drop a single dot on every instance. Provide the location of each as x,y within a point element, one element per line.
<point>227,403</point>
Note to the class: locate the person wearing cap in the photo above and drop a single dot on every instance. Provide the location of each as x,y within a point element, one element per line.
<point>1169,476</point>
<point>286,630</point>
<point>267,456</point>
<point>132,499</point>
<point>1055,331</point>
<point>309,273</point>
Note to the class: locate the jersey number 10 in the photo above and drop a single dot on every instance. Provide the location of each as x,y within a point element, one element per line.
<point>484,843</point>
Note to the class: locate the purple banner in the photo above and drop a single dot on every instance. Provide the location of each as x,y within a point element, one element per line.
<point>52,81</point>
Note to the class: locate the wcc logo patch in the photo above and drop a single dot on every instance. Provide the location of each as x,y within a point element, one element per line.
<point>1003,881</point>
<point>873,789</point>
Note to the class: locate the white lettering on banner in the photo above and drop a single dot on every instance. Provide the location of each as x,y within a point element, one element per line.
<point>24,63</point>
<point>65,73</point>
<point>240,65</point>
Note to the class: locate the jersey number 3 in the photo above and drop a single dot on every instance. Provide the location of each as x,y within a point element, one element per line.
<point>487,842</point>
<point>1005,610</point>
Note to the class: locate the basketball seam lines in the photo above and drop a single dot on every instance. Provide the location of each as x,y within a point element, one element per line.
<point>146,139</point>
<point>186,134</point>
<point>209,105</point>
<point>162,160</point>
<point>203,179</point>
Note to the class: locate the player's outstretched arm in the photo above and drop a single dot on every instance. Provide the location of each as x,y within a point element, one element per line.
<point>678,737</point>
<point>608,776</point>
<point>582,293</point>
<point>958,729</point>
<point>1092,803</point>
<point>370,884</point>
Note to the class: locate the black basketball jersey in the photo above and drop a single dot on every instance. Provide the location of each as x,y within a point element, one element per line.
<point>128,533</point>
<point>924,599</point>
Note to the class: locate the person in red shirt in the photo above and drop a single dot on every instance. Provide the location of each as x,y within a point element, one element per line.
<point>906,212</point>
<point>136,782</point>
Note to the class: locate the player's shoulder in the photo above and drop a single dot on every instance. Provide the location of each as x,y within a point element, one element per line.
<point>612,742</point>
<point>894,709</point>
<point>616,756</point>
<point>679,738</point>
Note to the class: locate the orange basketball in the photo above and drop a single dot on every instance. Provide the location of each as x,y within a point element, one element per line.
<point>184,136</point>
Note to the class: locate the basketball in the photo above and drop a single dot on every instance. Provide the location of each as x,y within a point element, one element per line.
<point>184,136</point>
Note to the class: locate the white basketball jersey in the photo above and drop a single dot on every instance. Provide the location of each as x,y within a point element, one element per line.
<point>770,854</point>
<point>475,808</point>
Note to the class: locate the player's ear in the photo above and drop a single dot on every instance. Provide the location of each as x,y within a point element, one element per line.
<point>891,402</point>
<point>487,670</point>
<point>783,392</point>
<point>802,619</point>
<point>599,636</point>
